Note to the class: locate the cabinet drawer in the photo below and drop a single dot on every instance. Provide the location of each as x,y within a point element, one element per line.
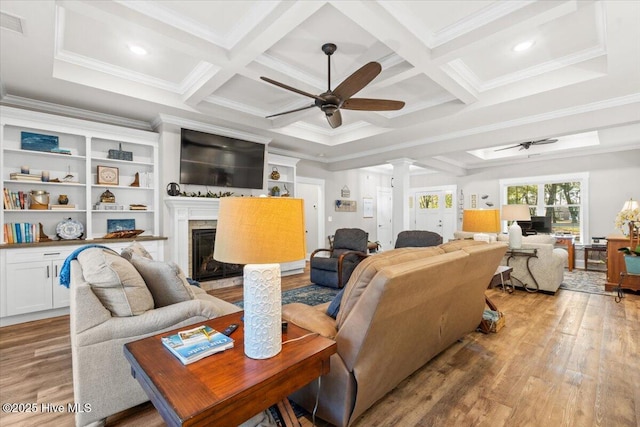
<point>38,254</point>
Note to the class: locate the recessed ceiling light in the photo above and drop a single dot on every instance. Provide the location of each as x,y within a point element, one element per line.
<point>520,47</point>
<point>138,50</point>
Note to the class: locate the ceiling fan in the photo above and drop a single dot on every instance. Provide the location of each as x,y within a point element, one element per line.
<point>528,144</point>
<point>331,101</point>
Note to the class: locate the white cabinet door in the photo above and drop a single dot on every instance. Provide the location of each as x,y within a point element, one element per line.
<point>30,287</point>
<point>60,293</point>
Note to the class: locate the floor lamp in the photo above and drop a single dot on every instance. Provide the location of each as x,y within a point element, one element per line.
<point>515,213</point>
<point>261,232</point>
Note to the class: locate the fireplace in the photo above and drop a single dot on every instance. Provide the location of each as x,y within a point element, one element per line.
<point>204,267</point>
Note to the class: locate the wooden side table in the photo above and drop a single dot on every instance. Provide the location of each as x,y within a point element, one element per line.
<point>593,248</point>
<point>616,265</point>
<point>568,241</point>
<point>227,388</point>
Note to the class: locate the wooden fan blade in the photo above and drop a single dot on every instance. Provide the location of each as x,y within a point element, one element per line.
<point>292,89</point>
<point>544,141</point>
<point>292,111</point>
<point>372,104</point>
<point>335,120</point>
<point>356,81</point>
<point>508,148</point>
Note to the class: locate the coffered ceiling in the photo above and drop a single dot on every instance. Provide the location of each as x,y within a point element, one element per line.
<point>467,93</point>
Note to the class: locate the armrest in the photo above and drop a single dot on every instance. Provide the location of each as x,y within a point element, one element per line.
<point>361,255</point>
<point>310,318</point>
<point>151,322</point>
<point>318,251</point>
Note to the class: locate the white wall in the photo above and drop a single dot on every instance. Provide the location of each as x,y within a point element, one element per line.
<point>613,178</point>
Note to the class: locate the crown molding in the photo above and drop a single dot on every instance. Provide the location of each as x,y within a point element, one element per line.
<point>63,110</point>
<point>206,127</point>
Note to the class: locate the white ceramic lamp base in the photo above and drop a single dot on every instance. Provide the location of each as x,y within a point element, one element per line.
<point>262,311</point>
<point>515,236</point>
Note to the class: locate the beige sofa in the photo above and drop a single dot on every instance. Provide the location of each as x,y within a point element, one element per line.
<point>101,375</point>
<point>547,268</point>
<point>399,309</point>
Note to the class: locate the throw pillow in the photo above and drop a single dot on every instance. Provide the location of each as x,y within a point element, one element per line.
<point>135,248</point>
<point>166,281</point>
<point>334,307</point>
<point>116,283</point>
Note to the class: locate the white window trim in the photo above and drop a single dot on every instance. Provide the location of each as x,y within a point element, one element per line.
<point>582,177</point>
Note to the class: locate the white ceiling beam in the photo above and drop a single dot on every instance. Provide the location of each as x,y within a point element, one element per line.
<point>377,21</point>
<point>283,19</point>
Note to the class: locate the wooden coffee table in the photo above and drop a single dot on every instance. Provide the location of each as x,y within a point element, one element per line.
<point>227,388</point>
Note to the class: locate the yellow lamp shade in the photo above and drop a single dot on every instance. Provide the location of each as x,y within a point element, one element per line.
<point>481,220</point>
<point>260,230</point>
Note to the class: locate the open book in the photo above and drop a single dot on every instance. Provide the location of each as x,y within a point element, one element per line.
<point>194,344</point>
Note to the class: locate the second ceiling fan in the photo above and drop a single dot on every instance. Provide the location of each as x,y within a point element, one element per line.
<point>331,101</point>
<point>526,145</point>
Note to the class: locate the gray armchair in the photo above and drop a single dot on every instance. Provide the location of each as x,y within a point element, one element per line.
<point>349,248</point>
<point>417,239</point>
<point>101,374</point>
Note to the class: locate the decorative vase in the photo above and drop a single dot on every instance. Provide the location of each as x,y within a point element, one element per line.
<point>63,199</point>
<point>275,175</point>
<point>632,263</point>
<point>515,236</point>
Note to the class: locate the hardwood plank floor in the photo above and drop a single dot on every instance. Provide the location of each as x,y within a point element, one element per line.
<point>565,360</point>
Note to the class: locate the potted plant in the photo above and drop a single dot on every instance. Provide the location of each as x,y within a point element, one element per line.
<point>275,190</point>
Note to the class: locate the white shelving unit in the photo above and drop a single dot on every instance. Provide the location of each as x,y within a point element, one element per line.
<point>89,144</point>
<point>286,167</point>
<point>29,272</point>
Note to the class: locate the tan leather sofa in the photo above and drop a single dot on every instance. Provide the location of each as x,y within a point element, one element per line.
<point>399,309</point>
<point>101,375</point>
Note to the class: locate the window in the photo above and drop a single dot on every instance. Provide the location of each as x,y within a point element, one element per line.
<point>560,197</point>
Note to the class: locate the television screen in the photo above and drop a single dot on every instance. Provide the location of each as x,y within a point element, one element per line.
<point>541,224</point>
<point>215,160</point>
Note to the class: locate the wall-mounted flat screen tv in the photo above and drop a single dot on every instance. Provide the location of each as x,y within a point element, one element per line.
<point>220,161</point>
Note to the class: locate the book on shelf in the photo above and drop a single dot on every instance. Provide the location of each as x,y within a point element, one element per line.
<point>16,176</point>
<point>62,207</point>
<point>21,232</point>
<point>138,207</point>
<point>197,343</point>
<point>14,200</point>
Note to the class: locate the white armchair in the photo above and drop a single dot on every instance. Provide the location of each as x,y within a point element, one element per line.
<point>547,268</point>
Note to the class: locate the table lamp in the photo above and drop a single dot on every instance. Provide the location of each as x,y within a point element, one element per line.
<point>261,232</point>
<point>481,221</point>
<point>515,213</point>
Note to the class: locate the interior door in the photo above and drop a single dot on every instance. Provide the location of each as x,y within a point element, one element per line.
<point>311,193</point>
<point>384,217</point>
<point>434,211</point>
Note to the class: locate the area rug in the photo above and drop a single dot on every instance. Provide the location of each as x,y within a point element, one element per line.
<point>591,282</point>
<point>310,295</point>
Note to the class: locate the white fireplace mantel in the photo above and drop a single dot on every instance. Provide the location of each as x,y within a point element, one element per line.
<point>181,211</point>
<point>185,209</point>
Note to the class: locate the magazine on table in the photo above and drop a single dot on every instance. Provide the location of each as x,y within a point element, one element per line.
<point>194,344</point>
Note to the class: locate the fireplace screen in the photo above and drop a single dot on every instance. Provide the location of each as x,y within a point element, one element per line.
<point>204,267</point>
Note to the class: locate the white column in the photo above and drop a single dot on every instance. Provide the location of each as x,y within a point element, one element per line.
<point>400,184</point>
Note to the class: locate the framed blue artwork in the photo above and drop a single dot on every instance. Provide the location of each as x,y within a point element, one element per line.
<point>38,142</point>
<point>120,225</point>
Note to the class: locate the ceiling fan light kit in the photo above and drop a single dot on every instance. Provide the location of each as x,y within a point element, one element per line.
<point>331,101</point>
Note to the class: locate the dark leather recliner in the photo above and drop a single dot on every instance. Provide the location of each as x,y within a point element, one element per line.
<point>417,239</point>
<point>349,248</point>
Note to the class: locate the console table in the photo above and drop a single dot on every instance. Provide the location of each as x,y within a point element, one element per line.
<point>615,265</point>
<point>528,253</point>
<point>227,388</point>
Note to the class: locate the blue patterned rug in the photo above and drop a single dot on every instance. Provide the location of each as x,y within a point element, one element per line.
<point>310,295</point>
<point>591,282</point>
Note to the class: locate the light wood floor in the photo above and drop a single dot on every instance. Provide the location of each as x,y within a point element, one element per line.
<point>565,360</point>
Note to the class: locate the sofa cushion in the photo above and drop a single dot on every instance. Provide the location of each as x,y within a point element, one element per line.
<point>456,245</point>
<point>310,318</point>
<point>334,305</point>
<point>165,280</point>
<point>369,267</point>
<point>116,283</point>
<point>135,248</point>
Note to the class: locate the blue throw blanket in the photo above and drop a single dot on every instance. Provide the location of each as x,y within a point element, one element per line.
<point>65,271</point>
